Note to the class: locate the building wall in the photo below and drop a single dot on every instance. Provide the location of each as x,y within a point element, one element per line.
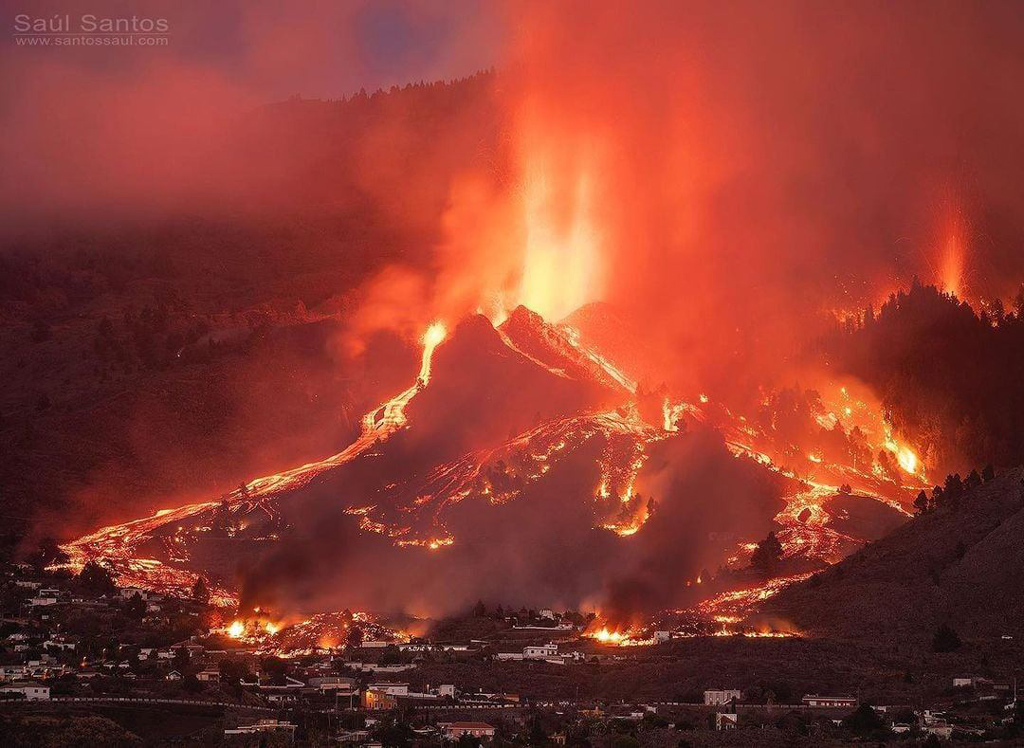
<point>718,697</point>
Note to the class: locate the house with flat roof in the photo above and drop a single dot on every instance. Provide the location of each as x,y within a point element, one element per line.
<point>30,689</point>
<point>829,701</point>
<point>455,730</point>
<point>721,696</point>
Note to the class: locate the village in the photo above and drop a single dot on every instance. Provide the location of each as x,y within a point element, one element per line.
<point>80,642</point>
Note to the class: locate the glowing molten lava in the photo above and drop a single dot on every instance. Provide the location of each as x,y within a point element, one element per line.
<point>432,338</point>
<point>842,446</point>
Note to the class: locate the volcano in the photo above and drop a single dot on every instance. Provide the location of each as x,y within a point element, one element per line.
<point>522,464</point>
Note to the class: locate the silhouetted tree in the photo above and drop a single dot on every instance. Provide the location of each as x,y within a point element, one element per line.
<point>200,593</point>
<point>946,639</point>
<point>921,503</point>
<point>47,553</point>
<point>276,669</point>
<point>136,607</point>
<point>953,490</point>
<point>863,721</point>
<point>767,554</point>
<point>989,473</point>
<point>96,580</point>
<point>355,637</point>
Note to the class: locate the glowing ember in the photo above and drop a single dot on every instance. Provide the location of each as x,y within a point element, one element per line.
<point>236,629</point>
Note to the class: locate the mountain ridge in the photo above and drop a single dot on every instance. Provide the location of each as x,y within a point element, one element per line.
<point>956,565</point>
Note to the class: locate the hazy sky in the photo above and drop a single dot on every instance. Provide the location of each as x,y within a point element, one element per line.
<point>274,49</point>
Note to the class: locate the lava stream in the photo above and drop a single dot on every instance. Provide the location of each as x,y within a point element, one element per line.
<point>117,544</point>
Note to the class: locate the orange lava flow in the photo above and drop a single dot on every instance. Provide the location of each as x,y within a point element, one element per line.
<point>117,545</point>
<point>805,521</point>
<point>411,512</point>
<point>728,608</point>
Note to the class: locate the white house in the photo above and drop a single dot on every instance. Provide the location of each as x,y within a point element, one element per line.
<point>59,642</point>
<point>263,726</point>
<point>725,721</point>
<point>455,730</point>
<point>721,696</point>
<point>829,701</point>
<point>541,652</point>
<point>940,730</point>
<point>391,689</point>
<point>446,691</point>
<point>33,691</point>
<point>326,683</point>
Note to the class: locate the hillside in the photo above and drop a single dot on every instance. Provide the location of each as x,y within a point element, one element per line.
<point>960,566</point>
<point>149,359</point>
<point>948,373</point>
